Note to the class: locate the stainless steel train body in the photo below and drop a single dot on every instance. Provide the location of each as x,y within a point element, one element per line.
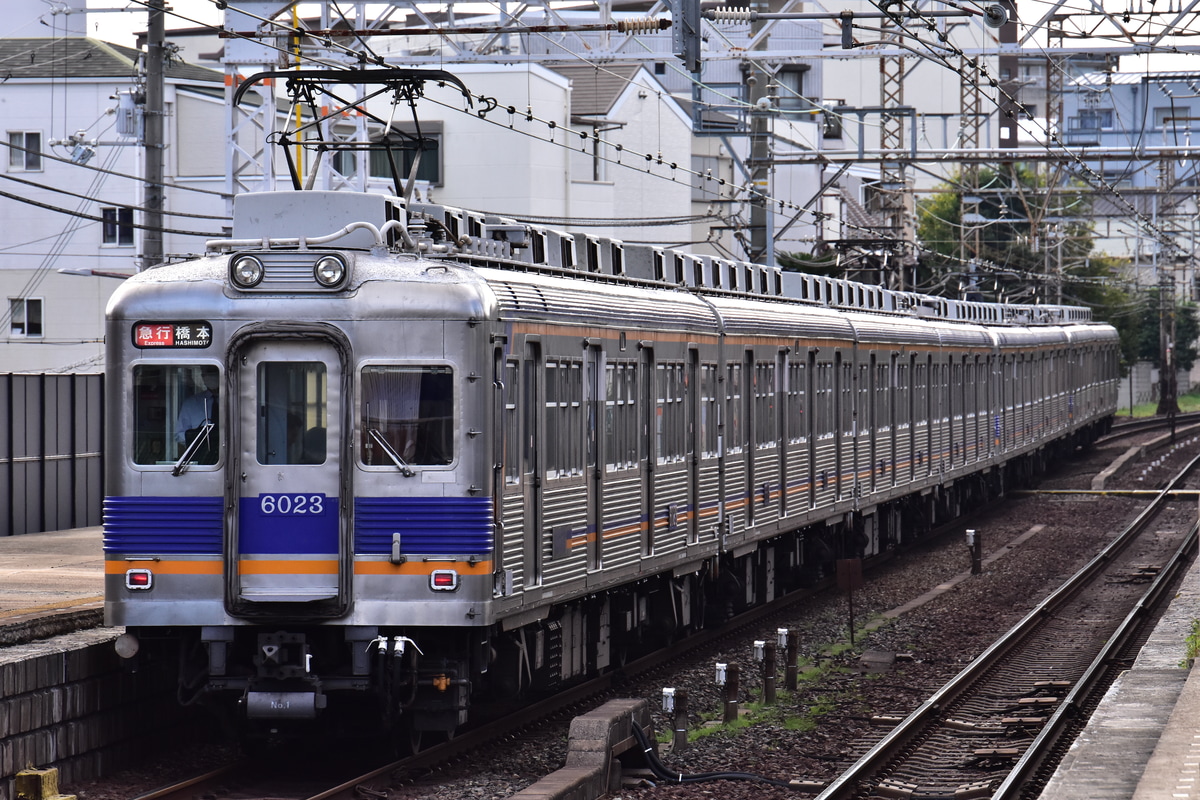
<point>487,457</point>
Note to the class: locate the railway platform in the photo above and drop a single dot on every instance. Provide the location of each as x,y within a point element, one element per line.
<point>50,583</point>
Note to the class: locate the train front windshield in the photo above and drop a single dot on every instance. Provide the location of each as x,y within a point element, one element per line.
<point>407,415</point>
<point>172,405</point>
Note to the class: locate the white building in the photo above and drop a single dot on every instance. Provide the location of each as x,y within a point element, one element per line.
<point>72,193</point>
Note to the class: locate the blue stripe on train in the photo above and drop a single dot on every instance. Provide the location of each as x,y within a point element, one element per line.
<point>194,525</point>
<point>171,525</point>
<point>439,525</point>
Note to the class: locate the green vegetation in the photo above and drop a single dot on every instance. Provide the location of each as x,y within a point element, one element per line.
<point>1193,645</point>
<point>1187,402</point>
<point>793,711</point>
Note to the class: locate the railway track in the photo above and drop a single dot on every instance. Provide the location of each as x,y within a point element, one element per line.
<point>997,726</point>
<point>1006,741</point>
<point>1132,427</point>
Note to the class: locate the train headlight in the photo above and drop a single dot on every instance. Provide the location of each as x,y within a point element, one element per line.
<point>330,271</point>
<point>247,271</point>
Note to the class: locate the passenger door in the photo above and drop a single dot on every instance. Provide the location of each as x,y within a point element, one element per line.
<point>288,543</point>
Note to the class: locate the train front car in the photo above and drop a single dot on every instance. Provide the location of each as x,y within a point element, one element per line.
<point>296,492</point>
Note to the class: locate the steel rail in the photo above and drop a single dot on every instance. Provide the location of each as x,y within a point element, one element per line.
<point>1092,680</point>
<point>886,750</point>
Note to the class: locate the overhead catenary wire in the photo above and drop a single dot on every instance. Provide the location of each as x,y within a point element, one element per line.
<point>737,189</point>
<point>1096,180</point>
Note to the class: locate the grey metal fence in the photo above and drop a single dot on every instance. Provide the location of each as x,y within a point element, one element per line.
<point>51,442</point>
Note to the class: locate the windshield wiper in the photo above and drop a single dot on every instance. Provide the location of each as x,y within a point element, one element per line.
<point>189,452</point>
<point>391,453</point>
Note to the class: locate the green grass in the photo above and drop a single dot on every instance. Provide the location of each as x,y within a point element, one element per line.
<point>1193,645</point>
<point>1187,402</point>
<point>792,710</point>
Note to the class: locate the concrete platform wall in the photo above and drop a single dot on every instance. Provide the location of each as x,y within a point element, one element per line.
<point>67,702</point>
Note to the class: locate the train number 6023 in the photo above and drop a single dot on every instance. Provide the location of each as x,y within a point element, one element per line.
<point>291,504</point>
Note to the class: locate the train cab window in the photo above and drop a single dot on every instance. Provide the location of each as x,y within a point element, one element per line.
<point>293,412</point>
<point>407,410</point>
<point>173,405</point>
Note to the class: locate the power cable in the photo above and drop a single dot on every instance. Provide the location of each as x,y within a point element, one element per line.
<point>57,248</point>
<point>93,218</point>
<point>1096,179</point>
<point>125,175</point>
<point>492,104</point>
<point>101,202</point>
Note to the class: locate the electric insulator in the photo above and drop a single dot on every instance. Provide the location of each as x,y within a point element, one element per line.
<point>643,25</point>
<point>727,14</point>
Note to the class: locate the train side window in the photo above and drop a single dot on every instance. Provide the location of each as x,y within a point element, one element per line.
<point>883,384</point>
<point>765,424</point>
<point>670,412</point>
<point>171,404</point>
<point>823,400</point>
<point>797,401</point>
<point>564,418</point>
<point>710,404</point>
<point>412,409</point>
<point>293,402</point>
<point>620,415</point>
<point>512,424</point>
<point>733,407</point>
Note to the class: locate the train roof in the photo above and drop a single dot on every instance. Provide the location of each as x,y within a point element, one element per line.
<point>503,248</point>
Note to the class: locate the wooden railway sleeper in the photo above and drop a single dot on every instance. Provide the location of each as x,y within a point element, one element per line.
<point>1043,689</point>
<point>993,758</point>
<point>895,788</point>
<point>974,728</point>
<point>1027,703</point>
<point>969,791</point>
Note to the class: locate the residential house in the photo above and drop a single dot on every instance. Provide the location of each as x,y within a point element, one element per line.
<point>71,192</point>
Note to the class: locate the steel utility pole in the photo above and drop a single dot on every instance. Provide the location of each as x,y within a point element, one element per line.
<point>1168,405</point>
<point>152,142</point>
<point>762,234</point>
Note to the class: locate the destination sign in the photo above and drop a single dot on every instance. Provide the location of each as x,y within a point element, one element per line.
<point>172,334</point>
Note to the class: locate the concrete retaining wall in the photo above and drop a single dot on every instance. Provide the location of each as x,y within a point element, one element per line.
<point>68,702</point>
<point>597,741</point>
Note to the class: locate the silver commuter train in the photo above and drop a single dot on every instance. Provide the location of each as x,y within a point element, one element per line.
<point>431,455</point>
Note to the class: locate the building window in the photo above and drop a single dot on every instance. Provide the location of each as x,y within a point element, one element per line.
<point>1096,118</point>
<point>791,92</point>
<point>25,153</point>
<point>25,316</point>
<point>118,226</point>
<point>404,150</point>
<point>1175,117</point>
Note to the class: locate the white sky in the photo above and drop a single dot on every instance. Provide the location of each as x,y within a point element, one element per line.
<point>120,27</point>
